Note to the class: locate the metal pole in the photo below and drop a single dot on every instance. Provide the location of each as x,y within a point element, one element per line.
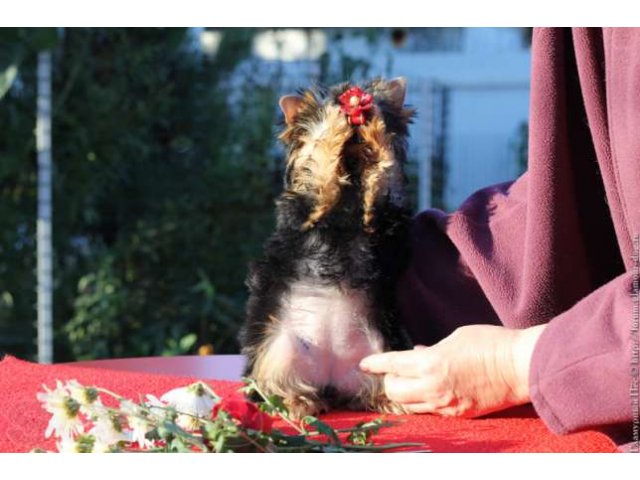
<point>44,262</point>
<point>426,157</point>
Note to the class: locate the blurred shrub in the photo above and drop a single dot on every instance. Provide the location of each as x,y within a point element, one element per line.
<point>163,191</point>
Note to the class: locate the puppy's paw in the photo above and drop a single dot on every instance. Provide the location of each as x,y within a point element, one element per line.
<point>384,405</point>
<point>302,406</point>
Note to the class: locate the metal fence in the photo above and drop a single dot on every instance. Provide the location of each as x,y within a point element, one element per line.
<point>465,137</point>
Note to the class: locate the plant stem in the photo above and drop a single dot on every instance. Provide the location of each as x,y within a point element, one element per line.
<point>297,428</point>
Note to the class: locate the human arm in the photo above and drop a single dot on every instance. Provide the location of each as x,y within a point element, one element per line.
<point>476,370</point>
<point>556,246</point>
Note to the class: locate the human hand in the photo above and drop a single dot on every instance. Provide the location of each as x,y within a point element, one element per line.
<point>476,370</point>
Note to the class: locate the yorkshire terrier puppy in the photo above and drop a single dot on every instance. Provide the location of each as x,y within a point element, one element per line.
<point>322,297</point>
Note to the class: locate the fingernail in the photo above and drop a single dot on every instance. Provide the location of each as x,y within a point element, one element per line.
<point>364,364</point>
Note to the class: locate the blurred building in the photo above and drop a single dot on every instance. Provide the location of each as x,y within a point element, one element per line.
<point>470,86</point>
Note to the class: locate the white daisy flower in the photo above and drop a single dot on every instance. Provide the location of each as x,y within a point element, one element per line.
<point>65,419</point>
<point>108,430</point>
<point>157,408</point>
<point>81,394</point>
<point>87,397</point>
<point>188,422</point>
<point>53,400</point>
<point>192,401</point>
<point>66,445</point>
<point>82,444</point>
<point>139,429</point>
<point>101,447</point>
<point>137,423</point>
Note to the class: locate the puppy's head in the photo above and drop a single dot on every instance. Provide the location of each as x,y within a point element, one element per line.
<point>346,137</point>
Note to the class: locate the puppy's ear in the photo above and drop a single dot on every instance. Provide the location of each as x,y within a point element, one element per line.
<point>290,106</point>
<point>398,90</point>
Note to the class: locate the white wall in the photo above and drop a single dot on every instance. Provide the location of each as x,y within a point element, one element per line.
<point>488,101</point>
<point>480,146</point>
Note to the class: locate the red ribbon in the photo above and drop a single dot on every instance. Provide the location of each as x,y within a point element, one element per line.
<point>354,103</point>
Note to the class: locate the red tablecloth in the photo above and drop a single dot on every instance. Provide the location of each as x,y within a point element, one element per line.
<point>23,422</point>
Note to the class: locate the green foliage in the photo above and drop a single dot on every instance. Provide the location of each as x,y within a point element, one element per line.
<point>18,44</point>
<point>336,65</point>
<point>163,192</point>
<point>17,192</point>
<point>7,77</point>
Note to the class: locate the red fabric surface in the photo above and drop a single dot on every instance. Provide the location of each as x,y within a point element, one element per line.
<point>23,421</point>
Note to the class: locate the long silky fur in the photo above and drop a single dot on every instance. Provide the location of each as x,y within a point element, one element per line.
<point>335,174</point>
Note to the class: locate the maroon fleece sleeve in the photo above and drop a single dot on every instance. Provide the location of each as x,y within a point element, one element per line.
<point>581,372</point>
<point>552,247</point>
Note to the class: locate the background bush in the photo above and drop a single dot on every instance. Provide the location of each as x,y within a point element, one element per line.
<point>163,190</point>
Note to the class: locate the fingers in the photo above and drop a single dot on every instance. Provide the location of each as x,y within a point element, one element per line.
<point>420,380</point>
<point>425,407</point>
<point>420,407</point>
<point>404,389</point>
<point>408,363</point>
<point>423,390</point>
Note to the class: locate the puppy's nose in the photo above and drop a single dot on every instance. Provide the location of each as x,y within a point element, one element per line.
<point>330,393</point>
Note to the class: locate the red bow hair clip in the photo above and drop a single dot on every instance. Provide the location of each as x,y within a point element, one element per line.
<point>354,103</point>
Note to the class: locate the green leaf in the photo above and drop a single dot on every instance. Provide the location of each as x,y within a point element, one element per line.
<point>178,445</point>
<point>289,440</point>
<point>321,428</point>
<point>219,445</point>
<point>167,429</point>
<point>374,425</point>
<point>278,405</point>
<point>6,79</point>
<point>359,437</point>
<point>44,38</point>
<point>188,341</point>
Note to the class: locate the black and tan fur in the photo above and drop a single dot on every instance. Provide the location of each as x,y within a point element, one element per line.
<point>341,229</point>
